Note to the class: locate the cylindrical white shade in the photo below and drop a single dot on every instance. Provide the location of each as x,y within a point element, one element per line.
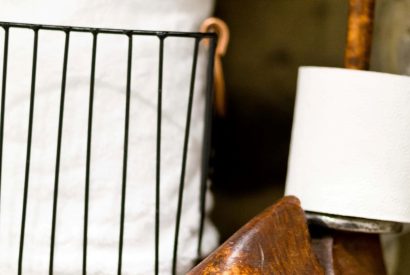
<point>350,148</point>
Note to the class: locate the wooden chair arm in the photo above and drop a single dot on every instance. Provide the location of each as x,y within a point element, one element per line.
<point>277,241</point>
<point>274,242</point>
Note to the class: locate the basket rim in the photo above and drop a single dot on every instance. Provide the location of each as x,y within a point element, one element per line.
<point>65,28</point>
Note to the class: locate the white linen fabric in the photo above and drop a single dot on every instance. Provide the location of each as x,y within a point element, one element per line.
<point>107,136</point>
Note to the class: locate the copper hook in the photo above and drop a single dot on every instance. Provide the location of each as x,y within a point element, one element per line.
<point>218,26</point>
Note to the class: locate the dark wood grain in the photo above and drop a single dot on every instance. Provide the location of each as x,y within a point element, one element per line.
<point>357,253</point>
<point>359,34</point>
<point>275,242</point>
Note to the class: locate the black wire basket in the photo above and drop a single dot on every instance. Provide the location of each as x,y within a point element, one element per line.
<point>94,34</point>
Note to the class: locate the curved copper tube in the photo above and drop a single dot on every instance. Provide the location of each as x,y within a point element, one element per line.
<point>217,25</point>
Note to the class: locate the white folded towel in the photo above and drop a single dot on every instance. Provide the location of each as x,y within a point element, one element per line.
<point>107,139</point>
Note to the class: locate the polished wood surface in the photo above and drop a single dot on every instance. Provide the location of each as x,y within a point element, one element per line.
<point>274,242</point>
<point>357,253</point>
<point>278,241</point>
<point>359,34</point>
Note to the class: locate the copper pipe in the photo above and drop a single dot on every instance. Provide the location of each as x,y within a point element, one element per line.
<point>359,34</point>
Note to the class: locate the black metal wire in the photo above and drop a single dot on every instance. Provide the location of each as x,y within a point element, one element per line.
<point>205,155</point>
<point>88,158</point>
<point>125,159</point>
<point>184,155</point>
<point>28,154</point>
<point>58,154</point>
<point>158,160</point>
<point>206,149</point>
<point>110,31</point>
<point>3,99</point>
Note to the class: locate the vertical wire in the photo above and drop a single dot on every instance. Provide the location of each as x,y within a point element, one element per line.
<point>207,142</point>
<point>158,158</point>
<point>125,156</point>
<point>58,153</point>
<point>3,99</point>
<point>28,153</point>
<point>184,156</point>
<point>88,157</point>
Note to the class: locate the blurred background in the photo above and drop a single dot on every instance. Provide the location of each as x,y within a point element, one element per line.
<point>269,41</point>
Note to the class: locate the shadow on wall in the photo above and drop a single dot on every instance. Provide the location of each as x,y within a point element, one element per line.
<point>269,41</point>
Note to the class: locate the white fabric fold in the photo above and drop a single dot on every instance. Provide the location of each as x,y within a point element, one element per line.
<point>107,137</point>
